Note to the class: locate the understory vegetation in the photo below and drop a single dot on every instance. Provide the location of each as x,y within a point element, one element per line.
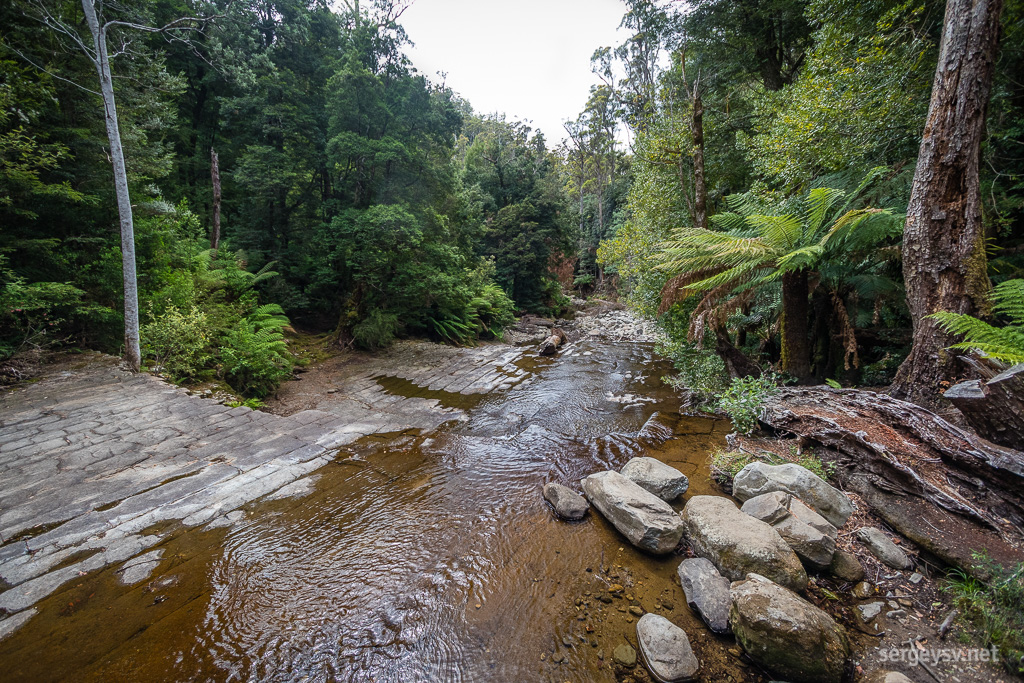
<point>993,607</point>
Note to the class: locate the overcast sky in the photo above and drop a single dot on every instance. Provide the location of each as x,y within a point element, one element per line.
<point>527,58</point>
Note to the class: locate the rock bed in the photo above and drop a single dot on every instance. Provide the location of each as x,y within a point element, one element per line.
<point>791,518</point>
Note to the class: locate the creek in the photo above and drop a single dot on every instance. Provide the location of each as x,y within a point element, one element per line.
<point>415,556</point>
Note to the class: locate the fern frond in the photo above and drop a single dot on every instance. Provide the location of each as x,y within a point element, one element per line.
<point>1008,300</point>
<point>782,232</point>
<point>818,207</point>
<point>1002,343</point>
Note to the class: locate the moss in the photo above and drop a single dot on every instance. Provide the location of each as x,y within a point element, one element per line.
<point>726,464</point>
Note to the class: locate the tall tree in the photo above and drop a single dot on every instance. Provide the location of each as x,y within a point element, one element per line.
<point>943,240</point>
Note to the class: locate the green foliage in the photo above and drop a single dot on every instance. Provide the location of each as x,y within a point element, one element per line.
<point>31,314</point>
<point>376,331</point>
<point>1002,343</point>
<point>255,355</point>
<point>993,606</point>
<point>178,343</point>
<point>743,400</point>
<point>726,464</point>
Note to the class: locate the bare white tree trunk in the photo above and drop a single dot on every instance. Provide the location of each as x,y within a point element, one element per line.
<point>124,204</point>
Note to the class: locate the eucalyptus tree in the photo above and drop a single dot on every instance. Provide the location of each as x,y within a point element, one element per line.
<point>119,25</point>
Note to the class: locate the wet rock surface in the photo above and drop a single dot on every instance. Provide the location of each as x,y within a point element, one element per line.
<point>665,649</point>
<point>707,592</point>
<point>759,478</point>
<point>647,521</point>
<point>567,503</point>
<point>738,544</point>
<point>650,474</point>
<point>787,634</point>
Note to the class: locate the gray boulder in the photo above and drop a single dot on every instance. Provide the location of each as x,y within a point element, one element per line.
<point>707,592</point>
<point>758,478</point>
<point>738,544</point>
<point>786,634</point>
<point>567,503</point>
<point>846,567</point>
<point>665,649</point>
<point>806,532</point>
<point>884,549</point>
<point>646,520</point>
<point>664,481</point>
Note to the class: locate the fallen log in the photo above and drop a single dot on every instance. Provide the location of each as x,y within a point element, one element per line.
<point>995,407</point>
<point>940,486</point>
<point>551,344</point>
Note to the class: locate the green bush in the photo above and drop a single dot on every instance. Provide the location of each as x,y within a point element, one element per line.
<point>255,356</point>
<point>376,331</point>
<point>994,606</point>
<point>744,398</point>
<point>178,342</point>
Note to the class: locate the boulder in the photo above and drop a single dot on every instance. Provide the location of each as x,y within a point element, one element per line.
<point>738,544</point>
<point>883,548</point>
<point>846,567</point>
<point>646,520</point>
<point>758,478</point>
<point>869,610</point>
<point>786,634</point>
<point>665,649</point>
<point>806,532</point>
<point>665,482</point>
<point>707,592</point>
<point>567,503</point>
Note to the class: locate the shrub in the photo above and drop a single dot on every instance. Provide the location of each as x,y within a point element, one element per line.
<point>179,342</point>
<point>994,606</point>
<point>743,400</point>
<point>255,356</point>
<point>376,331</point>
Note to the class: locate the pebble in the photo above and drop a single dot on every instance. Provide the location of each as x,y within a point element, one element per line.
<point>915,578</point>
<point>558,658</point>
<point>636,611</point>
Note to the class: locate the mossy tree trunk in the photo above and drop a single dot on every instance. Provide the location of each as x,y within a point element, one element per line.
<point>796,352</point>
<point>943,241</point>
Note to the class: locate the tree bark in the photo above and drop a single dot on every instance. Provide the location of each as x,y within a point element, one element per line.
<point>124,204</point>
<point>942,487</point>
<point>215,180</point>
<point>796,353</point>
<point>943,240</point>
<point>994,408</point>
<point>700,190</point>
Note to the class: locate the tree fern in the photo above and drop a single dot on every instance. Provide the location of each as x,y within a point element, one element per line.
<point>1002,343</point>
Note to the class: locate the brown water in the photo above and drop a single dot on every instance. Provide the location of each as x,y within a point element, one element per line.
<point>417,557</point>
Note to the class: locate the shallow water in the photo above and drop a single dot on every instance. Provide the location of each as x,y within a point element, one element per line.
<point>415,557</point>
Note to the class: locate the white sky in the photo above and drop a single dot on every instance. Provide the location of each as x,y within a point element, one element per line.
<point>529,59</point>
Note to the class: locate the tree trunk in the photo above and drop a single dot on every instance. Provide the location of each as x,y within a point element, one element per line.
<point>124,204</point>
<point>215,180</point>
<point>796,354</point>
<point>994,408</point>
<point>700,190</point>
<point>943,241</point>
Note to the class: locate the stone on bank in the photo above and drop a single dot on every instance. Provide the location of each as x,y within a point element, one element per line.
<point>567,503</point>
<point>665,649</point>
<point>786,634</point>
<point>652,475</point>
<point>646,520</point>
<point>738,544</point>
<point>758,478</point>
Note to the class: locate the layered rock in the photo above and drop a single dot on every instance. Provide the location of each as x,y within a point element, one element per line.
<point>738,544</point>
<point>567,503</point>
<point>665,649</point>
<point>646,520</point>
<point>786,634</point>
<point>759,478</point>
<point>650,474</point>
<point>707,592</point>
<point>808,533</point>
